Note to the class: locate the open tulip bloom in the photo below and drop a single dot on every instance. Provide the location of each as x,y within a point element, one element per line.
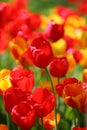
<point>43,65</point>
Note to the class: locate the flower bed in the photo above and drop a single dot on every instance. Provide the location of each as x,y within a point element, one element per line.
<point>43,67</point>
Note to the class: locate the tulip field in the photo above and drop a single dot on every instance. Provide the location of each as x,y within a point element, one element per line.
<point>43,64</point>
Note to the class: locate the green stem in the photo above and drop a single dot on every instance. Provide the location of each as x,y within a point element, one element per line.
<point>55,118</point>
<point>8,120</point>
<point>50,80</point>
<point>76,121</point>
<point>18,128</point>
<point>54,94</point>
<point>42,123</point>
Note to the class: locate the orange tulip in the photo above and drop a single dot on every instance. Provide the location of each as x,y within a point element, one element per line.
<point>73,91</point>
<point>3,127</point>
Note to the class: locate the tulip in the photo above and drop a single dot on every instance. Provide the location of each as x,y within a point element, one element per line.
<point>4,40</point>
<point>58,67</point>
<point>83,7</point>
<point>23,115</point>
<point>65,12</point>
<point>40,52</point>
<point>59,47</point>
<point>49,121</point>
<point>3,127</point>
<point>54,31</point>
<point>45,102</point>
<point>73,92</point>
<point>4,80</point>
<point>17,46</point>
<point>72,62</point>
<point>11,97</point>
<point>83,107</point>
<point>24,79</point>
<point>3,7</point>
<point>79,128</point>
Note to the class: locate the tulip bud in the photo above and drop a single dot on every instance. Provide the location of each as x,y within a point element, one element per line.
<point>59,67</point>
<point>54,31</point>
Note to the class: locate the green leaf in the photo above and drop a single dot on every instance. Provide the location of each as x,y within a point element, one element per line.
<point>69,114</point>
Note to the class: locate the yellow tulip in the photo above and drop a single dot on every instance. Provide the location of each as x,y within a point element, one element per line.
<point>59,47</point>
<point>4,79</point>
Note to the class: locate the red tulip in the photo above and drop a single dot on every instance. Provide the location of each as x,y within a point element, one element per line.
<point>4,41</point>
<point>77,55</point>
<point>12,96</point>
<point>23,114</point>
<point>79,128</point>
<point>58,67</point>
<point>21,4</point>
<point>40,52</point>
<point>70,42</point>
<point>54,31</point>
<point>3,7</point>
<point>34,21</point>
<point>45,101</point>
<point>24,79</point>
<point>65,12</point>
<point>24,23</point>
<point>83,7</point>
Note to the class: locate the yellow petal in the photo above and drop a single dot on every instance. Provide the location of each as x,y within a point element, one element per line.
<point>4,79</point>
<point>59,47</point>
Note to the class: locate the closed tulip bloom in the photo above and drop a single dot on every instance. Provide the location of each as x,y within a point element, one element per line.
<point>23,115</point>
<point>45,101</point>
<point>54,31</point>
<point>40,52</point>
<point>11,97</point>
<point>73,92</point>
<point>58,67</point>
<point>24,79</point>
<point>77,55</point>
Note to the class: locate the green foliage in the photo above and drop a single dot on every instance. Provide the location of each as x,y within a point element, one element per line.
<point>6,60</point>
<point>77,72</point>
<point>44,6</point>
<point>69,114</point>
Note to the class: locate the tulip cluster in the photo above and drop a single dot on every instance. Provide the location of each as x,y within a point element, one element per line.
<point>48,80</point>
